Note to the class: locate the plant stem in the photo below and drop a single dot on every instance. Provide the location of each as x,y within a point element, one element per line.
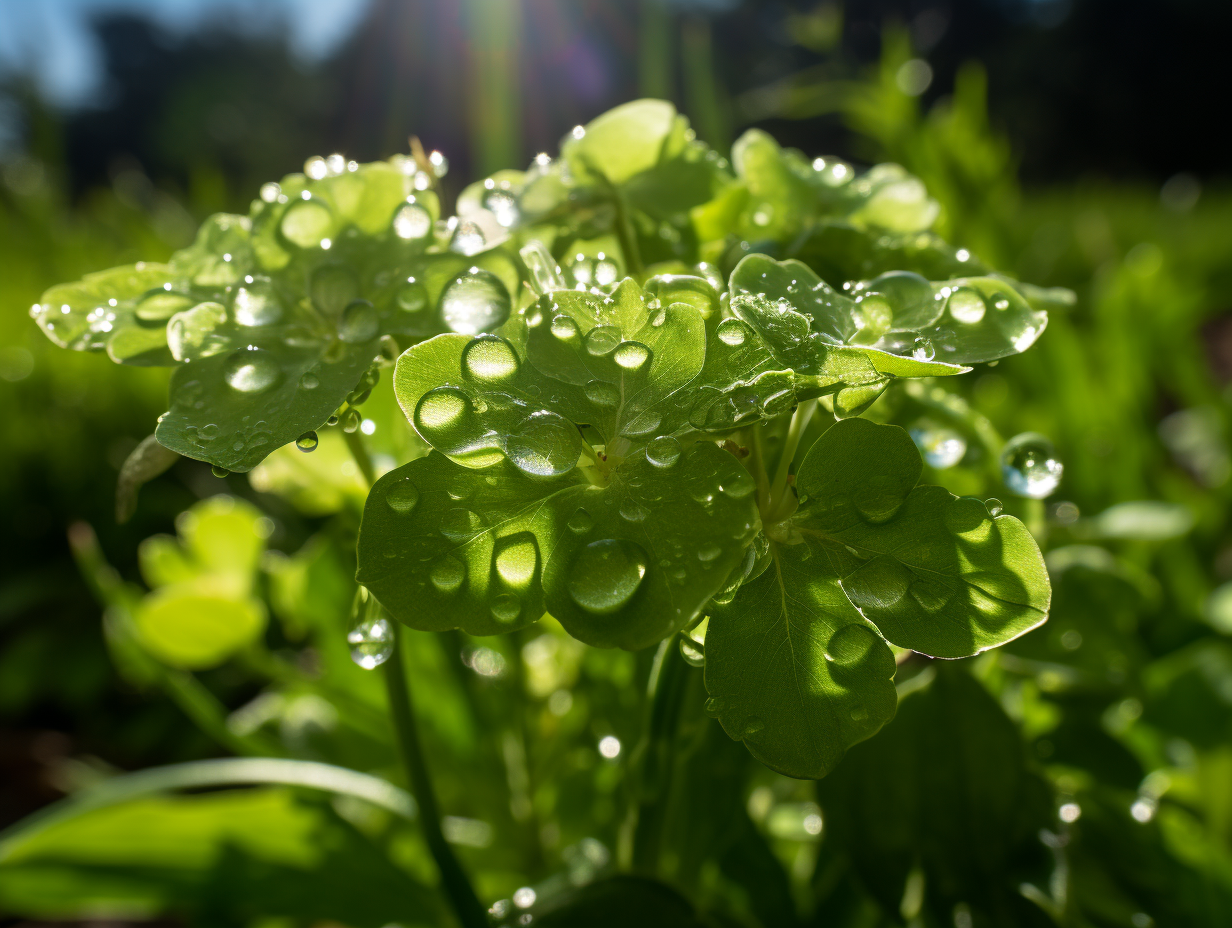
<point>624,233</point>
<point>758,467</point>
<point>355,444</point>
<point>200,705</point>
<point>778,490</point>
<point>457,886</point>
<point>656,757</point>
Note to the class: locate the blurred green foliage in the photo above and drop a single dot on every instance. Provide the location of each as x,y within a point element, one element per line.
<point>1082,775</point>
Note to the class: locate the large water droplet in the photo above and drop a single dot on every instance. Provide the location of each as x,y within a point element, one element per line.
<point>994,506</point>
<point>440,412</point>
<point>358,323</point>
<point>402,497</point>
<point>966,305</point>
<point>544,445</point>
<point>663,451</point>
<point>447,574</point>
<point>475,302</point>
<point>307,223</point>
<point>692,653</point>
<point>490,360</point>
<point>631,355</point>
<point>371,641</point>
<point>563,327</point>
<point>940,446</point>
<point>516,558</point>
<point>580,522</point>
<point>602,393</point>
<point>923,349</point>
<point>850,644</point>
<point>252,370</point>
<point>256,304</point>
<point>732,332</point>
<point>1030,466</point>
<point>606,574</point>
<point>506,608</point>
<point>412,221</point>
<point>332,288</point>
<point>307,442</point>
<point>195,333</point>
<point>412,297</point>
<point>602,340</point>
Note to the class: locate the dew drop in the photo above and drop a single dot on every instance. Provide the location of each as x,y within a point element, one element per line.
<point>402,497</point>
<point>351,421</point>
<point>252,370</point>
<point>307,441</point>
<point>371,641</point>
<point>441,412</point>
<point>307,223</point>
<point>411,221</point>
<point>412,298</point>
<point>332,288</point>
<point>502,205</point>
<point>994,506</point>
<point>256,304</point>
<point>850,644</point>
<point>358,323</point>
<point>195,333</point>
<point>563,327</point>
<point>475,302</point>
<point>631,355</point>
<point>692,653</point>
<point>602,393</point>
<point>663,451</point>
<point>544,445</point>
<point>161,305</point>
<point>602,340</point>
<point>1030,466</point>
<point>966,305</point>
<point>941,447</point>
<point>516,559</point>
<point>633,511</point>
<point>923,349</point>
<point>219,472</point>
<point>606,574</point>
<point>580,522</point>
<point>489,359</point>
<point>447,574</point>
<point>506,608</point>
<point>732,332</point>
<point>708,552</point>
<point>752,728</point>
<point>309,381</point>
<point>468,238</point>
<point>859,713</point>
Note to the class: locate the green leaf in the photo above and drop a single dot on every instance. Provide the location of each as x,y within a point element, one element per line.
<point>840,251</point>
<point>623,142</point>
<point>274,317</point>
<point>147,461</point>
<point>794,670</point>
<point>945,787</point>
<point>615,902</point>
<point>934,572</point>
<point>193,626</point>
<point>490,549</point>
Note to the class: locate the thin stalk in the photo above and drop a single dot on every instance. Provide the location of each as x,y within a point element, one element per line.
<point>758,467</point>
<point>624,234</point>
<point>654,50</point>
<point>778,489</point>
<point>668,682</point>
<point>457,886</point>
<point>355,444</point>
<point>208,714</point>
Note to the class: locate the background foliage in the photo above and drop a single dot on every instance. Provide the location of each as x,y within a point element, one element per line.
<point>1080,773</point>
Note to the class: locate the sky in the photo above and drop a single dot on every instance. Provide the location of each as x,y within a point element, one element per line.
<point>52,39</point>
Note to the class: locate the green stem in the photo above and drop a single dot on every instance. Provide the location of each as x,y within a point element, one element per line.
<point>457,886</point>
<point>758,466</point>
<point>624,233</point>
<point>355,444</point>
<point>778,490</point>
<point>656,757</point>
<point>200,705</point>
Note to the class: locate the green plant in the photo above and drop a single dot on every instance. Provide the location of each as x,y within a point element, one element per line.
<point>636,375</point>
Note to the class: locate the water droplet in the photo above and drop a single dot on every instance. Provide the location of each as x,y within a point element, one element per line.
<point>219,472</point>
<point>663,451</point>
<point>602,393</point>
<point>504,206</point>
<point>412,221</point>
<point>195,333</point>
<point>460,525</point>
<point>923,349</point>
<point>256,304</point>
<point>580,522</point>
<point>309,381</point>
<point>315,167</point>
<point>850,644</point>
<point>544,445</point>
<point>633,511</point>
<point>602,340</point>
<point>544,271</point>
<point>715,706</point>
<point>358,323</point>
<point>307,223</point>
<point>252,370</point>
<point>940,446</point>
<point>739,486</point>
<point>564,328</point>
<point>161,305</point>
<point>468,238</point>
<point>516,559</point>
<point>506,608</point>
<point>708,552</point>
<point>475,302</point>
<point>307,441</point>
<point>412,298</point>
<point>732,332</point>
<point>371,641</point>
<point>489,359</point>
<point>447,574</point>
<point>859,713</point>
<point>351,420</point>
<point>402,497</point>
<point>1029,465</point>
<point>966,305</point>
<point>631,355</point>
<point>606,574</point>
<point>332,288</point>
<point>270,192</point>
<point>752,727</point>
<point>692,653</point>
<point>441,411</point>
<point>994,506</point>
